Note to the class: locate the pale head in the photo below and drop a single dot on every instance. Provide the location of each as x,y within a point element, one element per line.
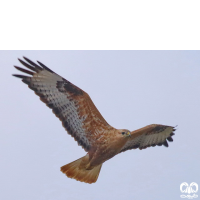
<point>124,133</point>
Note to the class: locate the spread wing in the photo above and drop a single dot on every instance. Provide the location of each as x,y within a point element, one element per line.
<point>69,103</point>
<point>147,136</point>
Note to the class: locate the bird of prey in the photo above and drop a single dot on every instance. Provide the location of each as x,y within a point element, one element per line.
<point>82,120</point>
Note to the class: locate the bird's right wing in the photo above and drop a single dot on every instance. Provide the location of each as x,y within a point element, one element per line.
<point>70,104</point>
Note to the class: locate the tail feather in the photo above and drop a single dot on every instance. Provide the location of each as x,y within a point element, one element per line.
<point>74,170</point>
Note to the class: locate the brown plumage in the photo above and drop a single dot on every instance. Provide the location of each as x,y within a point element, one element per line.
<point>83,121</point>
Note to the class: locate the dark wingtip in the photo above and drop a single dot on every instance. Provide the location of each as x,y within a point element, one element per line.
<point>20,60</point>
<point>170,139</point>
<point>24,70</point>
<point>32,63</point>
<point>45,67</point>
<point>19,76</point>
<point>25,58</point>
<point>28,66</point>
<point>171,134</point>
<point>165,143</point>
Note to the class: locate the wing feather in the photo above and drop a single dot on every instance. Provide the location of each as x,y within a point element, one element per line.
<point>151,135</point>
<point>70,104</point>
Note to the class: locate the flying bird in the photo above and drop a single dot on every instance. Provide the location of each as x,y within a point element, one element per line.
<point>82,120</point>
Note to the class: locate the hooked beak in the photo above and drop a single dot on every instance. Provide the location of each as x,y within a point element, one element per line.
<point>129,134</point>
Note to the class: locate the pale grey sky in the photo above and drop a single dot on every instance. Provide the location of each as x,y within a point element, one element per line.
<point>131,89</point>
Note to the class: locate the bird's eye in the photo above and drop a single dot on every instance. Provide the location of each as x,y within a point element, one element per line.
<point>123,133</point>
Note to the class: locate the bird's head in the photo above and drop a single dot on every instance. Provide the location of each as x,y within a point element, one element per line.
<point>124,133</point>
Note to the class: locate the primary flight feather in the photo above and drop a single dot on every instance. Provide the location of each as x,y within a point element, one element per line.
<point>82,120</point>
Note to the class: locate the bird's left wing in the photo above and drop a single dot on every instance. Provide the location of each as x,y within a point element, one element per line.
<point>150,135</point>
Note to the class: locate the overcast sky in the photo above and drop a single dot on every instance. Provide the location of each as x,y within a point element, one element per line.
<point>131,89</point>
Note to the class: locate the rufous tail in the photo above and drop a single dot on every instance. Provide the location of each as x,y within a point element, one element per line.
<point>74,170</point>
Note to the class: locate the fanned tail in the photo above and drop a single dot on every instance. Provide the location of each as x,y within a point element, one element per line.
<point>73,170</point>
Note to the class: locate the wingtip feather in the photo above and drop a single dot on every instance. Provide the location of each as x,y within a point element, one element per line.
<point>19,76</point>
<point>165,143</point>
<point>24,70</point>
<point>45,67</point>
<point>28,66</point>
<point>32,63</point>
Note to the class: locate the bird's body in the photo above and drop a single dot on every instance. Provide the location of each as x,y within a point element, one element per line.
<point>83,121</point>
<point>107,147</point>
